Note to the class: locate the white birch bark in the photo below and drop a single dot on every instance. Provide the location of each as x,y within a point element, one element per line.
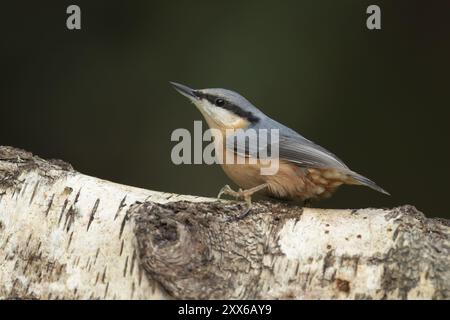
<point>66,235</point>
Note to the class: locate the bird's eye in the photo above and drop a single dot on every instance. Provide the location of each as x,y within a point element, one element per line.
<point>219,102</point>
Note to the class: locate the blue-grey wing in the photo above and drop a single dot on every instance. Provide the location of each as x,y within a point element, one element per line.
<point>308,154</point>
<point>290,145</point>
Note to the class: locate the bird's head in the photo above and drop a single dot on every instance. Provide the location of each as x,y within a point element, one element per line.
<point>221,108</point>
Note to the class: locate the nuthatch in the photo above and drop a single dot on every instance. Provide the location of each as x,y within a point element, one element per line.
<point>306,170</point>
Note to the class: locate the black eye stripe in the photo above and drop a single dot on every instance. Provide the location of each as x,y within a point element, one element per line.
<point>229,106</point>
<point>212,99</point>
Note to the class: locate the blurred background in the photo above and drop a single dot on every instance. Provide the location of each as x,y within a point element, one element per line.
<point>99,97</point>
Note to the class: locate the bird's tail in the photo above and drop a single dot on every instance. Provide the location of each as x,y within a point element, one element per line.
<point>359,179</point>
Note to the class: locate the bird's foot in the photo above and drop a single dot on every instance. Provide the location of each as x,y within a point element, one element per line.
<point>242,194</point>
<point>226,190</point>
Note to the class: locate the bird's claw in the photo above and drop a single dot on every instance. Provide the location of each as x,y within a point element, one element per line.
<point>241,215</point>
<point>244,213</point>
<point>225,190</point>
<point>244,194</point>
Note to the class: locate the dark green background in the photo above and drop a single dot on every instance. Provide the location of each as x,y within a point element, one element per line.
<point>99,98</point>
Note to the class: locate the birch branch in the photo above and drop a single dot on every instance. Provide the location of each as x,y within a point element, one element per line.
<point>65,235</point>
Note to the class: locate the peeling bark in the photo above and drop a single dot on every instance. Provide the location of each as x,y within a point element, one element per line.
<point>67,235</point>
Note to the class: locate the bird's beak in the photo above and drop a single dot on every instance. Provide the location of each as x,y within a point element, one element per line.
<point>185,91</point>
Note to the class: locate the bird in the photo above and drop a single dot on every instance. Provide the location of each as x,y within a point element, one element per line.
<point>306,170</point>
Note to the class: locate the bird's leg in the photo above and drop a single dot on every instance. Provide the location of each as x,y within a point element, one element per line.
<point>245,194</point>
